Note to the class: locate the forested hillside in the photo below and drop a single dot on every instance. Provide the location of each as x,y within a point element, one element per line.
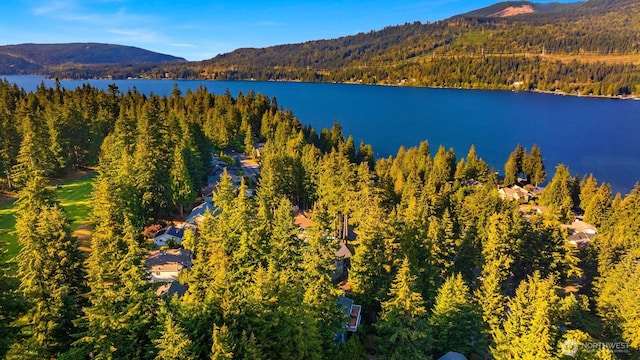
<point>40,58</point>
<point>440,261</point>
<point>587,48</point>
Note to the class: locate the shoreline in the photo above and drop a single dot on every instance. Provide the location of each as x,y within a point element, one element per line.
<point>548,92</point>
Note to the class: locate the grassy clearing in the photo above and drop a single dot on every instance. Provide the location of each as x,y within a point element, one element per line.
<point>7,229</point>
<point>594,58</point>
<point>75,198</point>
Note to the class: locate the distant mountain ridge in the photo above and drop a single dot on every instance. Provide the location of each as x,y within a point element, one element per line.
<point>32,58</point>
<point>585,48</point>
<point>594,26</point>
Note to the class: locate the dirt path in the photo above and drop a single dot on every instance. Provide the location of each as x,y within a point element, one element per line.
<point>83,233</point>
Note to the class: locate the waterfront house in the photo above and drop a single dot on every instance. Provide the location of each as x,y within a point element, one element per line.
<point>580,233</point>
<point>515,193</point>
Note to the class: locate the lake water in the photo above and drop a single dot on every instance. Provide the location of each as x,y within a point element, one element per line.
<point>587,134</point>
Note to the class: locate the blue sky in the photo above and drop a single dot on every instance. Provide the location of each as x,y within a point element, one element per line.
<point>198,30</point>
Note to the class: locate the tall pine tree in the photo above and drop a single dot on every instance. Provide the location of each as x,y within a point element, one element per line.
<point>403,326</point>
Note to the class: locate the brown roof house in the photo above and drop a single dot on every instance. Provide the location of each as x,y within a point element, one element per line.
<point>342,262</point>
<point>580,233</point>
<point>166,265</point>
<point>301,219</point>
<point>515,193</point>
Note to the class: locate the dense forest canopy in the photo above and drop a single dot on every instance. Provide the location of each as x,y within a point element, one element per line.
<point>440,261</point>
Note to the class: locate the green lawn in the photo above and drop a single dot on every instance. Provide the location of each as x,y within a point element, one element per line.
<point>7,229</point>
<point>74,196</point>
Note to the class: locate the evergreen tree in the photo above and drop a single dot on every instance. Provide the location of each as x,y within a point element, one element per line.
<point>515,165</point>
<point>456,322</point>
<point>365,154</point>
<point>442,169</point>
<point>317,267</point>
<point>533,166</point>
<point>498,254</point>
<point>618,299</point>
<point>9,136</point>
<point>510,171</point>
<point>121,309</point>
<point>52,279</point>
<point>10,304</point>
<point>174,343</point>
<point>250,348</point>
<point>190,241</point>
<point>49,264</point>
<point>444,244</point>
<point>369,273</point>
<point>529,331</point>
<point>403,327</point>
<point>558,194</point>
<point>31,168</point>
<point>55,152</point>
<point>249,141</point>
<point>223,344</point>
<point>284,243</point>
<point>151,161</point>
<point>460,170</point>
<point>475,168</point>
<point>182,191</point>
<point>597,210</point>
<point>335,183</point>
<point>588,189</point>
<point>224,194</point>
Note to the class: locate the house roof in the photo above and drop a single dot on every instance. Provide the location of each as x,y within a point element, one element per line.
<point>168,260</point>
<point>581,226</point>
<point>171,231</point>
<point>170,289</point>
<point>472,182</point>
<point>351,312</point>
<point>526,208</point>
<point>536,190</point>
<point>354,318</point>
<point>200,210</point>
<point>581,240</point>
<point>302,220</point>
<point>515,192</point>
<point>451,355</point>
<point>343,252</point>
<point>345,303</point>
